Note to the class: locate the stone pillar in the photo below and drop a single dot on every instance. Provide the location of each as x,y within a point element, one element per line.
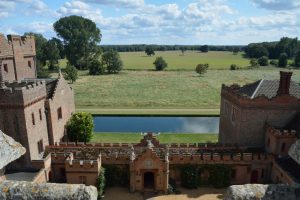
<point>132,177</point>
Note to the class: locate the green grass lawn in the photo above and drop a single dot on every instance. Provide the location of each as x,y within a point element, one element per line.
<point>163,138</point>
<point>162,90</point>
<point>188,61</point>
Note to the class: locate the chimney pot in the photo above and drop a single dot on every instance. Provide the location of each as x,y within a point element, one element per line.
<point>284,84</point>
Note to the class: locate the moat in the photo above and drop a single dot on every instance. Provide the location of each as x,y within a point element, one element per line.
<point>156,124</point>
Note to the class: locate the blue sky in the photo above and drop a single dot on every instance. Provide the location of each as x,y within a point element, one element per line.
<point>217,22</point>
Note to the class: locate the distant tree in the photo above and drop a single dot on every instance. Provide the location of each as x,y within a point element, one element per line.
<point>60,47</point>
<point>112,61</point>
<point>202,68</point>
<point>182,49</point>
<point>233,67</point>
<point>40,41</point>
<point>149,51</point>
<point>71,73</point>
<point>263,61</point>
<point>51,54</point>
<point>41,71</point>
<point>297,59</point>
<point>274,62</point>
<point>253,62</point>
<point>235,50</point>
<point>81,37</point>
<point>160,64</point>
<point>283,60</point>
<point>256,51</point>
<point>204,48</point>
<point>96,67</point>
<point>80,127</point>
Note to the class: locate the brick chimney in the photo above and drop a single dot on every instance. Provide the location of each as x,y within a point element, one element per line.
<point>285,81</point>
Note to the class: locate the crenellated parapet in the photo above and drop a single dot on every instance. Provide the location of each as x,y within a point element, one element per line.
<point>22,94</point>
<point>281,133</point>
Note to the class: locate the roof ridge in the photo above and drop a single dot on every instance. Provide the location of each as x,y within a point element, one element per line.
<point>256,90</point>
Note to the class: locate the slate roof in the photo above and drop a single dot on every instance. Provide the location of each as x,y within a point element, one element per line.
<point>50,87</point>
<point>267,88</point>
<point>291,167</point>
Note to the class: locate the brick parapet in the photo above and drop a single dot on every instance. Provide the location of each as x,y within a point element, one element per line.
<point>281,133</point>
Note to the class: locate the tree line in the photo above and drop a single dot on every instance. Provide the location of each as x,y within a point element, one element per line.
<point>285,48</point>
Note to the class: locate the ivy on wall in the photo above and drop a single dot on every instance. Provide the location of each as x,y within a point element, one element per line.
<point>116,175</point>
<point>219,175</point>
<point>101,183</point>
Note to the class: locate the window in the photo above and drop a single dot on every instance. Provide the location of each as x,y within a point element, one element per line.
<point>5,67</point>
<point>29,63</point>
<point>82,179</point>
<point>59,113</point>
<point>262,173</point>
<point>233,114</point>
<point>32,117</point>
<point>282,147</point>
<point>40,112</point>
<point>233,173</point>
<point>40,146</point>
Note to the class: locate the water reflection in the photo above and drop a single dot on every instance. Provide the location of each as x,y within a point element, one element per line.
<point>157,124</point>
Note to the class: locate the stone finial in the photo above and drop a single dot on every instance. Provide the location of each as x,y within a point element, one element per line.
<point>10,150</point>
<point>294,151</point>
<point>59,73</point>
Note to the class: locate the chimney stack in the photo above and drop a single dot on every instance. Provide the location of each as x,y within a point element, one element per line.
<point>285,81</point>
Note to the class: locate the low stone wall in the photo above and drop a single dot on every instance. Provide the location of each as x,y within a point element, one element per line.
<point>10,190</point>
<point>263,192</point>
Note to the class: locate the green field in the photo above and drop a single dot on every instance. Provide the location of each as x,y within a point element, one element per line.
<point>162,90</point>
<point>163,138</point>
<point>188,61</point>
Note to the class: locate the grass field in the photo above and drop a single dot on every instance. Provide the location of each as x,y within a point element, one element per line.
<point>163,138</point>
<point>162,90</point>
<point>188,61</point>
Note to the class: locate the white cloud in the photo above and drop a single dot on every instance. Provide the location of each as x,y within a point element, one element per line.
<point>120,3</point>
<point>277,4</point>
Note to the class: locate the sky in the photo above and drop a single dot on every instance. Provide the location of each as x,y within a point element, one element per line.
<point>186,22</point>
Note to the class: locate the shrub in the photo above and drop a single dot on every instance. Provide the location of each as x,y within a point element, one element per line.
<point>253,62</point>
<point>233,67</point>
<point>263,61</point>
<point>112,61</point>
<point>283,60</point>
<point>80,127</point>
<point>297,59</point>
<point>160,64</point>
<point>274,62</point>
<point>71,73</point>
<point>116,176</point>
<point>96,67</point>
<point>189,176</point>
<point>202,68</point>
<point>101,183</point>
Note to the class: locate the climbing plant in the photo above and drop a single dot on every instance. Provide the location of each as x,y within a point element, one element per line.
<point>116,176</point>
<point>189,176</point>
<point>101,183</point>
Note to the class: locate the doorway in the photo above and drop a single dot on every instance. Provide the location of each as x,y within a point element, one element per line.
<point>148,180</point>
<point>254,176</point>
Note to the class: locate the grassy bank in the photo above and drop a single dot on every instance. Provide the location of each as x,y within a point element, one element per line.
<point>163,138</point>
<point>177,61</point>
<point>151,92</point>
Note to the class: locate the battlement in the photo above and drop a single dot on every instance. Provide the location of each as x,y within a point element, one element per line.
<point>22,93</point>
<point>281,133</point>
<point>13,43</point>
<point>74,163</point>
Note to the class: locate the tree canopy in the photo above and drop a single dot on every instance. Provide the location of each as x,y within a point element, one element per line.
<point>80,37</point>
<point>112,61</point>
<point>80,127</point>
<point>71,73</point>
<point>149,51</point>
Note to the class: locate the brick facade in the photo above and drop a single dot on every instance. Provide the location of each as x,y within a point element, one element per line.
<point>18,57</point>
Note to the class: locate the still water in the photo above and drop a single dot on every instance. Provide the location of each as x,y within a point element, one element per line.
<point>157,124</point>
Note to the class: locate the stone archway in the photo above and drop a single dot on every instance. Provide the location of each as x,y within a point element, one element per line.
<point>149,182</point>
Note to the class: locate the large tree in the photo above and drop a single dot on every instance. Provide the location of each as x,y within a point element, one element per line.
<point>112,61</point>
<point>80,37</point>
<point>149,51</point>
<point>51,54</point>
<point>60,47</point>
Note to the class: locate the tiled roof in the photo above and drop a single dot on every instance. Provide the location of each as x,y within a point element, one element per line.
<point>50,87</point>
<point>291,167</point>
<point>267,88</point>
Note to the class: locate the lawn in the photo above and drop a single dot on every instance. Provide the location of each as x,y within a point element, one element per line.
<point>162,90</point>
<point>163,138</point>
<point>177,61</point>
